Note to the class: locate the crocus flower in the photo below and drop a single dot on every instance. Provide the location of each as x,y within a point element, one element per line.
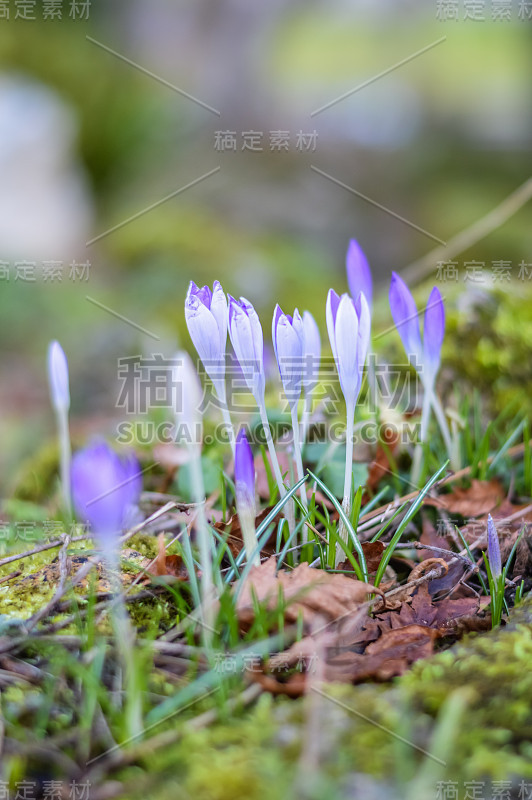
<point>288,343</point>
<point>187,399</point>
<point>105,489</point>
<point>494,550</point>
<point>424,355</point>
<point>246,336</point>
<point>244,472</point>
<point>206,315</point>
<point>245,494</point>
<point>58,377</point>
<point>311,352</point>
<point>348,325</point>
<point>358,272</point>
<point>60,396</point>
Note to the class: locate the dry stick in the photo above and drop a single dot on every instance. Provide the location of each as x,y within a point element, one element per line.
<point>389,508</point>
<point>40,549</point>
<point>441,550</point>
<point>58,543</point>
<point>463,241</point>
<point>11,576</point>
<point>432,574</point>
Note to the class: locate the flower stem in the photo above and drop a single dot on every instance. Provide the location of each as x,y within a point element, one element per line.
<point>348,476</point>
<point>222,397</point>
<point>299,463</point>
<point>229,425</point>
<point>290,509</point>
<point>247,524</point>
<point>418,452</point>
<point>65,455</point>
<point>124,635</point>
<point>444,428</point>
<point>202,531</point>
<point>271,449</point>
<point>305,417</point>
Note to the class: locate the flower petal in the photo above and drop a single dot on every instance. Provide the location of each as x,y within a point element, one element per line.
<point>346,338</point>
<point>331,310</point>
<point>104,486</point>
<point>433,332</point>
<point>220,313</point>
<point>244,471</point>
<point>405,315</point>
<point>358,272</point>
<point>204,332</point>
<point>494,549</point>
<point>311,351</point>
<point>58,377</point>
<point>364,330</point>
<point>245,332</point>
<point>290,354</point>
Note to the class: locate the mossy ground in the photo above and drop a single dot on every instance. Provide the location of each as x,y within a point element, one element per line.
<point>468,707</point>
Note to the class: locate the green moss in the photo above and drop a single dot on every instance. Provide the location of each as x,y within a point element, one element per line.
<point>468,706</point>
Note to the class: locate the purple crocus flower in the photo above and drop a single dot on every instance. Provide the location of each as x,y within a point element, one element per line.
<point>206,315</point>
<point>348,325</point>
<point>245,494</point>
<point>494,550</point>
<point>244,473</point>
<point>58,377</point>
<point>311,352</point>
<point>288,343</point>
<point>358,272</point>
<point>424,355</point>
<point>246,336</point>
<point>105,489</point>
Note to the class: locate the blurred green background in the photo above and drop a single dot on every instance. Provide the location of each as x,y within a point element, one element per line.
<point>88,140</point>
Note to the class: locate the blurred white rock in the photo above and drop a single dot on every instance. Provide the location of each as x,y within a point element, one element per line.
<point>45,201</point>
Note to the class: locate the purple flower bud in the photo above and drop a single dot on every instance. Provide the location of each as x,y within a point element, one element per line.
<point>494,550</point>
<point>244,473</point>
<point>311,352</point>
<point>288,343</point>
<point>206,315</point>
<point>358,272</point>
<point>424,356</point>
<point>405,316</point>
<point>348,325</point>
<point>246,336</point>
<point>105,489</point>
<point>58,377</point>
<point>433,331</point>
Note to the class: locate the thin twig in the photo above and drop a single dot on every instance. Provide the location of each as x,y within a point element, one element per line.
<point>465,239</point>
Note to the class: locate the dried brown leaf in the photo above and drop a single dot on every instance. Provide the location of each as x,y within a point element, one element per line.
<point>482,497</point>
<point>310,592</point>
